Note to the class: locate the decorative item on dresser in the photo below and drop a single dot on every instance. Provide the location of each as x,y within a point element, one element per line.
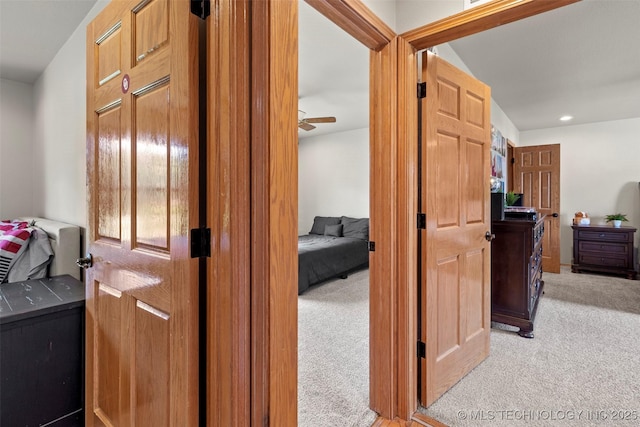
<point>516,272</point>
<point>603,249</point>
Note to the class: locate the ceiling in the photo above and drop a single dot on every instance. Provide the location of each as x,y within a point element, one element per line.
<point>580,60</point>
<point>32,32</point>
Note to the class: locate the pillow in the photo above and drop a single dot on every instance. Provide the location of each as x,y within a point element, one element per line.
<point>319,223</point>
<point>333,230</point>
<point>357,228</point>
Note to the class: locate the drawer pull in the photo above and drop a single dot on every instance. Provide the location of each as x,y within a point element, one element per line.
<point>601,234</point>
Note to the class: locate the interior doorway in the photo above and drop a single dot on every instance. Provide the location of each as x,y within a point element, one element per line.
<point>262,345</point>
<point>333,181</point>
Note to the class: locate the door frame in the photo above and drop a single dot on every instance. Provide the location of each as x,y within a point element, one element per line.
<point>256,319</point>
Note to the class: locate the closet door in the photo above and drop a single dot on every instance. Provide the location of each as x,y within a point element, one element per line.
<point>536,174</point>
<point>142,179</point>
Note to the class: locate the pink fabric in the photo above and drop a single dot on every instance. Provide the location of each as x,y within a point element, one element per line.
<point>14,238</point>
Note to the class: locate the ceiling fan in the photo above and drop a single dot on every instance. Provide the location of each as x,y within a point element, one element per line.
<point>306,123</point>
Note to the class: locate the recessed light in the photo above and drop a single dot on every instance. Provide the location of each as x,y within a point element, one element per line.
<point>566,118</point>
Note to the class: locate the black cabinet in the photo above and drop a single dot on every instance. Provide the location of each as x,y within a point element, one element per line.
<point>516,273</point>
<point>42,352</point>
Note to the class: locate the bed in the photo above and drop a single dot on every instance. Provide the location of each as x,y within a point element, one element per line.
<point>33,248</point>
<point>335,247</point>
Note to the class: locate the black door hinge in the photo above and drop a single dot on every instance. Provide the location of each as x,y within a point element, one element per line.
<point>201,8</point>
<point>200,242</point>
<point>371,246</point>
<point>513,160</point>
<point>422,90</point>
<point>422,350</point>
<point>422,221</point>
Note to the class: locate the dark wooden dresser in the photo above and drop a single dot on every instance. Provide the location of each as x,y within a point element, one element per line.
<point>42,352</point>
<point>603,249</point>
<point>516,273</point>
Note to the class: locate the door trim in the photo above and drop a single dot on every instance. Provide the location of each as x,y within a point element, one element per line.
<point>393,382</point>
<point>269,386</point>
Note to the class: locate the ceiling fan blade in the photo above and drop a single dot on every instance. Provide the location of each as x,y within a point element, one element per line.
<point>320,120</point>
<point>306,126</point>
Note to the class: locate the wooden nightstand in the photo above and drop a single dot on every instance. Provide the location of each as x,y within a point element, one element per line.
<point>603,249</point>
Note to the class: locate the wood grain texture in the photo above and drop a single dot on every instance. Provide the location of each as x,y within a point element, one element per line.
<point>477,19</point>
<point>354,17</point>
<point>229,216</point>
<point>406,247</point>
<point>142,292</point>
<point>418,420</point>
<point>382,297</point>
<point>536,174</point>
<point>455,280</point>
<point>274,212</point>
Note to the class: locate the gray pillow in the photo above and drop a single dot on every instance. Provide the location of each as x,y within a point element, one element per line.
<point>357,228</point>
<point>333,230</point>
<point>319,223</point>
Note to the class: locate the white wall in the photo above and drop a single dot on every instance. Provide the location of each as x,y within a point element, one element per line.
<point>412,14</point>
<point>599,172</point>
<point>333,177</point>
<point>60,130</point>
<point>17,166</point>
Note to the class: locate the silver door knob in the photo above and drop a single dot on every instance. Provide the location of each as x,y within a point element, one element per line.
<point>85,262</point>
<point>489,236</point>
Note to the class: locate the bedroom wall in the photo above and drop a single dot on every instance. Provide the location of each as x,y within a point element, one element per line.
<point>59,132</point>
<point>16,149</point>
<point>599,172</point>
<point>333,177</point>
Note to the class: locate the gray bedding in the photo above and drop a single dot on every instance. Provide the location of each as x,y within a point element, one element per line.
<point>322,257</point>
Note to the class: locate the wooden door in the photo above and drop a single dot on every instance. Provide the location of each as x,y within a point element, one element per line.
<point>455,255</point>
<point>537,177</point>
<point>142,179</point>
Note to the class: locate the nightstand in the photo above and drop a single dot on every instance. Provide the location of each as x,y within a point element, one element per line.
<point>603,249</point>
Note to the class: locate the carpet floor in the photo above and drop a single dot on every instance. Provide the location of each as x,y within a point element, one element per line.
<point>581,369</point>
<point>333,354</point>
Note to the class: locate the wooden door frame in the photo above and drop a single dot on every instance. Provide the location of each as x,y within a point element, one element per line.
<point>254,317</point>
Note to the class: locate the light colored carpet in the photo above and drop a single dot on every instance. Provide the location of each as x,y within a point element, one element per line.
<point>333,354</point>
<point>582,368</point>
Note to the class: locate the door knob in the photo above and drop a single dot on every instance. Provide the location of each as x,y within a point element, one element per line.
<point>85,262</point>
<point>555,214</point>
<point>489,236</point>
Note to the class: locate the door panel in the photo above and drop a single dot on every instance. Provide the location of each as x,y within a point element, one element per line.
<point>455,272</point>
<point>142,173</point>
<point>537,176</point>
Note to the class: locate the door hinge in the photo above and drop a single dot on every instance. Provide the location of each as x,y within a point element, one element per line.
<point>422,221</point>
<point>513,160</point>
<point>371,246</point>
<point>200,242</point>
<point>201,8</point>
<point>422,90</point>
<point>422,350</point>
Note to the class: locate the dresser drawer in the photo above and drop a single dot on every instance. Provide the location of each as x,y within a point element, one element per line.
<point>605,236</point>
<point>604,261</point>
<point>604,247</point>
<point>535,262</point>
